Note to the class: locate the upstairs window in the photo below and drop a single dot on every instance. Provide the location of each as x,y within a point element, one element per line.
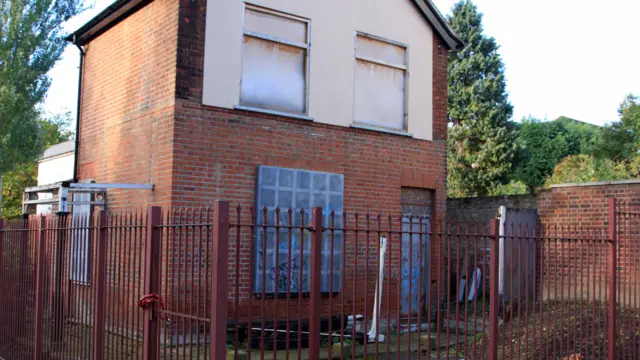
<point>380,83</point>
<point>274,61</point>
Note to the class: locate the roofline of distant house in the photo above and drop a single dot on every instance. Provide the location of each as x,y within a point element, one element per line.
<point>576,120</point>
<point>53,157</point>
<point>121,9</point>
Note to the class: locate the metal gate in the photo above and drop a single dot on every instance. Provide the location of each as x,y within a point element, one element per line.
<point>517,252</point>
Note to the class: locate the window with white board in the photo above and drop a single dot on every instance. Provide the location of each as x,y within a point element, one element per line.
<point>380,83</point>
<point>275,56</point>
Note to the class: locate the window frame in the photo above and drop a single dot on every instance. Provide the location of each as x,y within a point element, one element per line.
<point>278,40</point>
<point>405,68</point>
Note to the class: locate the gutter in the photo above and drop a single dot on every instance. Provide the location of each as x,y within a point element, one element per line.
<point>439,24</point>
<point>105,20</point>
<point>78,107</point>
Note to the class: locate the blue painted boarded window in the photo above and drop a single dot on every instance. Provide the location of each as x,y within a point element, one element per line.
<point>298,189</point>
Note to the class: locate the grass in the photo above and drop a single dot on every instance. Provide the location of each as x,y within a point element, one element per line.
<point>552,329</point>
<point>563,331</point>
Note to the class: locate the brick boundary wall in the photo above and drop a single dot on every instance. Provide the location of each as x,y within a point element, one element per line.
<point>572,211</point>
<point>582,210</point>
<point>483,209</point>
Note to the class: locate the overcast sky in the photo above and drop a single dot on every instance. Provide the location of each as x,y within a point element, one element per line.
<point>576,58</point>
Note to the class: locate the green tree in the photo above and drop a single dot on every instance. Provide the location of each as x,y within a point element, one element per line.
<point>620,140</point>
<point>14,182</point>
<point>31,41</point>
<point>545,143</point>
<point>53,131</point>
<point>514,187</point>
<point>582,136</point>
<point>481,141</point>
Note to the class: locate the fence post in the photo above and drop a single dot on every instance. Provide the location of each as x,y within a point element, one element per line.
<point>3,293</point>
<point>494,302</point>
<point>151,335</point>
<point>40,291</point>
<point>59,279</point>
<point>1,265</point>
<point>20,328</point>
<point>314,291</point>
<point>219,280</point>
<point>101,287</point>
<point>613,237</point>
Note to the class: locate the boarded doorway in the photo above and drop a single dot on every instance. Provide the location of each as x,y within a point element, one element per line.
<point>417,209</point>
<point>517,253</point>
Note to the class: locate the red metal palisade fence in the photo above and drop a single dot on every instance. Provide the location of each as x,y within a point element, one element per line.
<point>234,282</point>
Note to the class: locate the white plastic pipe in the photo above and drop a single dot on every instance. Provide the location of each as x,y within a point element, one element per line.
<point>503,219</point>
<point>377,302</point>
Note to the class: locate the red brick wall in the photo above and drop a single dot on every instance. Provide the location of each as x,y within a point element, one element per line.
<point>582,212</point>
<point>128,95</point>
<point>440,91</point>
<point>586,206</point>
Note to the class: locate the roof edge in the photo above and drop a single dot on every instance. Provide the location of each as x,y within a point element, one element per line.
<point>439,23</point>
<point>121,9</point>
<point>50,157</point>
<point>106,19</point>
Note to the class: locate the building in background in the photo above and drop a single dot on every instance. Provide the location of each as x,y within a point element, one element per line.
<point>55,165</point>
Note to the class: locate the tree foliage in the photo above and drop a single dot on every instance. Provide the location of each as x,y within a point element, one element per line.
<point>54,131</point>
<point>513,187</point>
<point>620,140</point>
<point>616,151</point>
<point>31,41</point>
<point>481,141</point>
<point>545,143</point>
<point>583,136</point>
<point>13,184</point>
<point>587,168</point>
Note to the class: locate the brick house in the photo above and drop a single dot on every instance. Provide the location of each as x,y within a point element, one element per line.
<point>243,101</point>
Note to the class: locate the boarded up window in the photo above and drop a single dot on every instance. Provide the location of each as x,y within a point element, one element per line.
<point>298,189</point>
<point>380,83</point>
<point>274,62</point>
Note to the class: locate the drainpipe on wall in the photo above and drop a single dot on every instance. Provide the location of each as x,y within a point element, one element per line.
<point>77,135</point>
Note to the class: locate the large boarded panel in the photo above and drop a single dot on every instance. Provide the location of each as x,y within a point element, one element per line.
<point>518,272</point>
